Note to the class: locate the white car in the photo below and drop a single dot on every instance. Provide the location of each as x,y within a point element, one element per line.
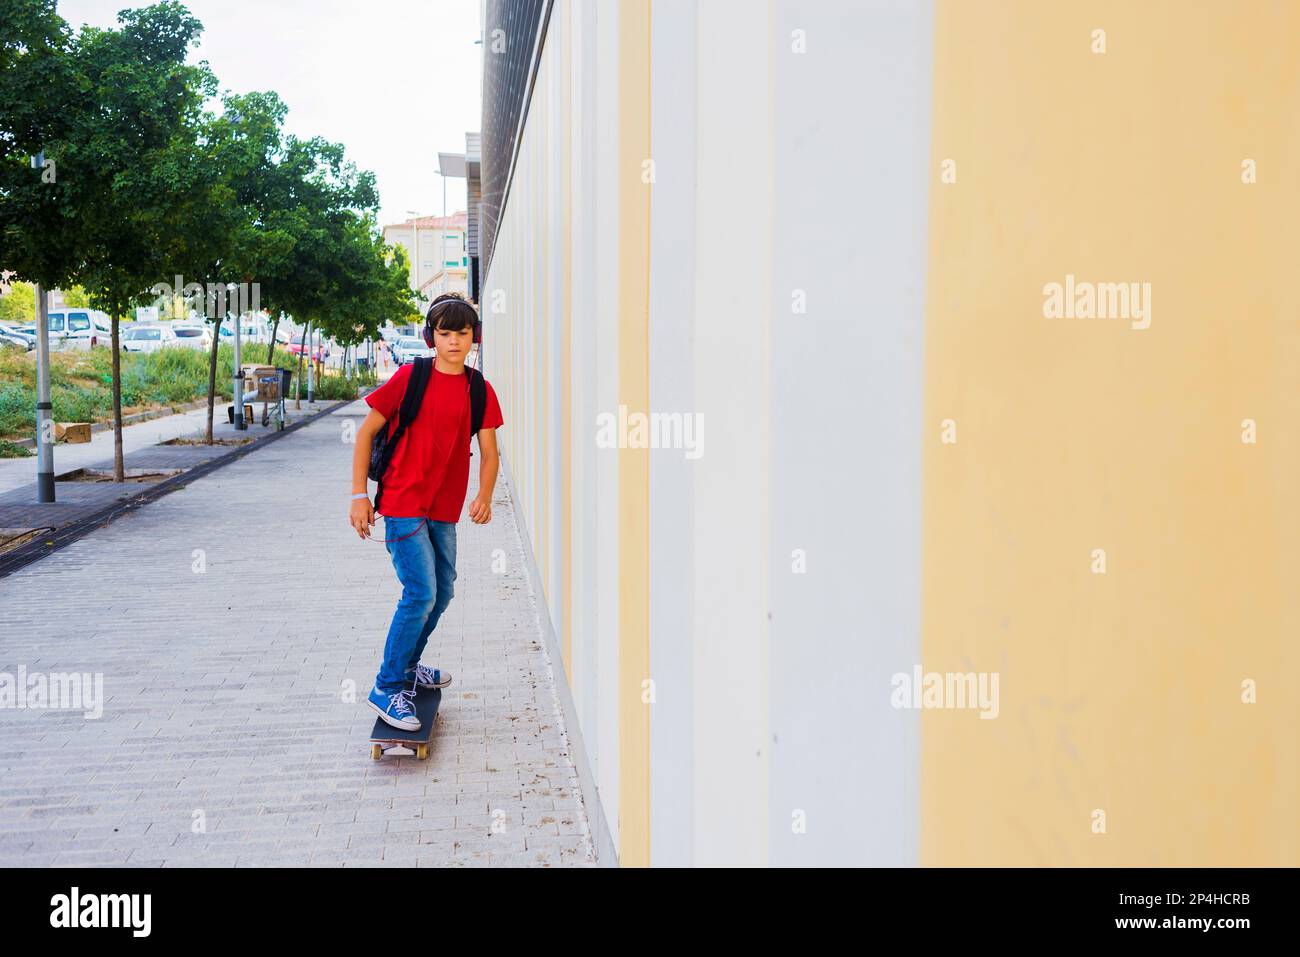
<point>249,333</point>
<point>409,348</point>
<point>192,336</point>
<point>138,338</point>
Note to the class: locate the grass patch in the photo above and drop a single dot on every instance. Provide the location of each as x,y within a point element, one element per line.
<point>81,383</point>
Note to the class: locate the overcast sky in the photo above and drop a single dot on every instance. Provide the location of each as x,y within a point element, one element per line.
<point>394,81</point>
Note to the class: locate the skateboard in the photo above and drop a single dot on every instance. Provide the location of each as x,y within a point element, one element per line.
<point>385,739</point>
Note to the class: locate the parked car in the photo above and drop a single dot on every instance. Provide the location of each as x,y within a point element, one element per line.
<point>192,336</point>
<point>137,338</point>
<point>249,333</point>
<point>78,330</point>
<point>16,341</point>
<point>17,332</point>
<point>319,351</point>
<point>408,348</point>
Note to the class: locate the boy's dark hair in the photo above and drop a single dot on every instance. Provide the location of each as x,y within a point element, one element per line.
<point>452,312</point>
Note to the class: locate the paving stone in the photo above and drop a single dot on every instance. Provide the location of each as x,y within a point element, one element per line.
<point>237,624</point>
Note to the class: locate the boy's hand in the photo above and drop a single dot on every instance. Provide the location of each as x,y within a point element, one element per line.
<point>362,516</point>
<point>480,511</point>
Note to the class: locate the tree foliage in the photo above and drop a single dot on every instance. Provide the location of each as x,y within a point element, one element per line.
<point>151,176</point>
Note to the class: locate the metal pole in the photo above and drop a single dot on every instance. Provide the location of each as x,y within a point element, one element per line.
<point>446,280</point>
<point>240,424</point>
<point>44,408</point>
<point>307,349</point>
<point>415,263</point>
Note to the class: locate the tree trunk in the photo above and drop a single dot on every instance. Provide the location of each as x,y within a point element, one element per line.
<point>270,349</point>
<point>212,375</point>
<point>119,471</point>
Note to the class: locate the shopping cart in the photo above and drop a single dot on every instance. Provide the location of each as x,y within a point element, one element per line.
<point>269,385</point>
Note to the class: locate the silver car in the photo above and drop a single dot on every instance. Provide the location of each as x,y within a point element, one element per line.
<point>192,336</point>
<point>147,338</point>
<point>408,348</point>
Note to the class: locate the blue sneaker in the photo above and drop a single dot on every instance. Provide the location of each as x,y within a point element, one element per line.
<point>428,677</point>
<point>394,709</point>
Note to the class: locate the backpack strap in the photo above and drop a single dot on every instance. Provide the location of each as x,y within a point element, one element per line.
<point>412,398</point>
<point>477,400</point>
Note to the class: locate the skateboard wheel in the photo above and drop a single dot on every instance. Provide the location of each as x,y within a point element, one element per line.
<point>422,752</point>
<point>376,751</point>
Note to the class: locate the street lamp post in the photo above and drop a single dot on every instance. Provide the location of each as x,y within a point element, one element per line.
<point>453,165</point>
<point>238,384</point>
<point>415,254</point>
<point>446,280</point>
<point>306,345</point>
<point>44,407</point>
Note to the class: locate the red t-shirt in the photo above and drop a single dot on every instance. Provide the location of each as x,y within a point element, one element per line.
<point>428,474</point>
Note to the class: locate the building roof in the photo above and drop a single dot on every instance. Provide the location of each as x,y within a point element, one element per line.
<point>455,221</point>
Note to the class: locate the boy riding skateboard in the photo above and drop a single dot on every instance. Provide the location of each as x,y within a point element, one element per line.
<point>422,490</point>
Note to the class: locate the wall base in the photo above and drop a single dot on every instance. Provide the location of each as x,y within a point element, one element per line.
<point>602,838</point>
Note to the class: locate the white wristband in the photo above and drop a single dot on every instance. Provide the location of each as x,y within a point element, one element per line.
<point>361,495</point>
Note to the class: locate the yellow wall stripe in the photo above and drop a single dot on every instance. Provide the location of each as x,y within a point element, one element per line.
<point>1120,693</point>
<point>634,464</point>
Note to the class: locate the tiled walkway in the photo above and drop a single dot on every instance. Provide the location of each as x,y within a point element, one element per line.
<point>237,625</point>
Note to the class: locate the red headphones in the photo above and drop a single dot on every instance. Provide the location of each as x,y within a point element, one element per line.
<point>447,301</point>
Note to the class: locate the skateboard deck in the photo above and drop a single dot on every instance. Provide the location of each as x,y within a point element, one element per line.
<point>385,739</point>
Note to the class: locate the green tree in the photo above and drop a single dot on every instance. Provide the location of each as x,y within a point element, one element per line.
<point>229,214</point>
<point>76,297</point>
<point>325,197</point>
<point>125,161</point>
<point>372,286</point>
<point>39,101</point>
<point>18,305</point>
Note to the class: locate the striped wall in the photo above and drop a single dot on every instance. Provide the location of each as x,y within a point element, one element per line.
<point>1123,690</point>
<point>823,230</point>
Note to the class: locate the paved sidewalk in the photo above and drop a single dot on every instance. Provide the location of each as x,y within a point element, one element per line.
<point>21,513</point>
<point>230,620</point>
<point>18,472</point>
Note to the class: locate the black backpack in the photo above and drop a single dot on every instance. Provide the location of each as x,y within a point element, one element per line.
<point>383,446</point>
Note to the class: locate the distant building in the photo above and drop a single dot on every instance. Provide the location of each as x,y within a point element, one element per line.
<point>466,166</point>
<point>436,249</point>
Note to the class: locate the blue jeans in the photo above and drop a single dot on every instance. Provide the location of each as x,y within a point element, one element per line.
<point>426,567</point>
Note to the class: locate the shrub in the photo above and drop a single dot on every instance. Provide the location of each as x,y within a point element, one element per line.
<point>81,382</point>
